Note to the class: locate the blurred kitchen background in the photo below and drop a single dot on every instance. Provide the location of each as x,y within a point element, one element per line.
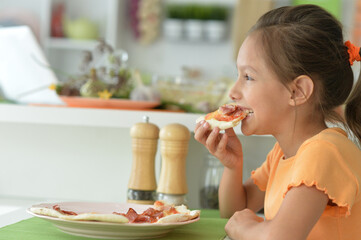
<point>183,49</point>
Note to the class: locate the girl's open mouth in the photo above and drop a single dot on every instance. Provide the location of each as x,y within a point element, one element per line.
<point>248,112</point>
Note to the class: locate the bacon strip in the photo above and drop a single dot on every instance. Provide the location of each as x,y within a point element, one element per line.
<point>148,216</point>
<point>57,208</point>
<point>154,213</point>
<point>228,109</point>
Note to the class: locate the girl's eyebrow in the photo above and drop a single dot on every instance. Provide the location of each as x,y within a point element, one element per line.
<point>246,67</point>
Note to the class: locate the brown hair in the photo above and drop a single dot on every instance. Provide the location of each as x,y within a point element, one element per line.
<point>307,40</point>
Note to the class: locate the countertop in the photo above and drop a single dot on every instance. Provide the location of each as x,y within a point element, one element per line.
<point>13,210</point>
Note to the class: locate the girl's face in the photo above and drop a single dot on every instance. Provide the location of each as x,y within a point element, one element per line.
<point>258,89</point>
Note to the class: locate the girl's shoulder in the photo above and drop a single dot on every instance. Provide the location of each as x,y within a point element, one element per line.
<point>334,138</point>
<point>330,149</point>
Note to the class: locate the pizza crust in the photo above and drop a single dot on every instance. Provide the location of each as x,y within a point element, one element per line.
<point>182,216</point>
<point>174,218</point>
<point>80,217</point>
<point>222,125</point>
<point>45,211</point>
<point>115,218</point>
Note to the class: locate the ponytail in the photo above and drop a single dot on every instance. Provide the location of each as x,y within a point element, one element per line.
<point>353,110</point>
<point>353,102</point>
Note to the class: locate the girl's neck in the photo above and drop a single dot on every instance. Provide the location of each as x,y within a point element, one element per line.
<point>291,140</point>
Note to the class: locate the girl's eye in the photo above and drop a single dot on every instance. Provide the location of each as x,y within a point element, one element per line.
<point>248,78</point>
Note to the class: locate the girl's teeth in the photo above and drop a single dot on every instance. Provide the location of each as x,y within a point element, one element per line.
<point>248,111</point>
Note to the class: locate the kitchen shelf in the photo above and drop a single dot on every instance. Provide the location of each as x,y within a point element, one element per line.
<point>71,44</point>
<point>90,117</point>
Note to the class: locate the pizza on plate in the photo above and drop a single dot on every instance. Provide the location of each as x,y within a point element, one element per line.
<point>226,116</point>
<point>160,212</point>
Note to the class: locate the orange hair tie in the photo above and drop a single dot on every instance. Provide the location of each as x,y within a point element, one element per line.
<point>353,52</point>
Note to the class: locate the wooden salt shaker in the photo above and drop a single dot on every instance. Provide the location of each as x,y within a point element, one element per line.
<point>142,182</point>
<point>172,186</point>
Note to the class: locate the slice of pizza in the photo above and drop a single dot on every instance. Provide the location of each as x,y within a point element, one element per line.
<point>159,213</point>
<point>226,116</point>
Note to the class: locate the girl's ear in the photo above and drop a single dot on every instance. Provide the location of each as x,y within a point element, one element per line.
<point>301,90</point>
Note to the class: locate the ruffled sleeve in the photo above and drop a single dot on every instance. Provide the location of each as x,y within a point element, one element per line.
<point>320,164</point>
<point>261,175</point>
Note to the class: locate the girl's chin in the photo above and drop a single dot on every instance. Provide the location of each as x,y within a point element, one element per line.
<point>245,134</point>
<point>245,128</point>
<point>245,131</point>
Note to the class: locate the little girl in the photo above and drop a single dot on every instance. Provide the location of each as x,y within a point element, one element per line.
<point>294,75</point>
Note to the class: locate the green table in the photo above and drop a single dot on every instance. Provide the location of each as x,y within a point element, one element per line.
<point>209,227</point>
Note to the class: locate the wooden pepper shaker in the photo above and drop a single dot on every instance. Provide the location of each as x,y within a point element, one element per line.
<point>172,186</point>
<point>142,182</point>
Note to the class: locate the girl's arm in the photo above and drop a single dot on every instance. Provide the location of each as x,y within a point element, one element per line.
<point>233,195</point>
<point>301,209</point>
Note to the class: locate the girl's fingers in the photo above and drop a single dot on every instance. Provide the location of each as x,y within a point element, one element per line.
<point>198,125</point>
<point>212,140</point>
<point>230,132</point>
<point>201,132</point>
<point>223,143</point>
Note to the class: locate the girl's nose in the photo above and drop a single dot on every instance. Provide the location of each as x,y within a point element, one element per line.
<point>234,92</point>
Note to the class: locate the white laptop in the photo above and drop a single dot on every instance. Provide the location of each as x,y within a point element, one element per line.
<point>24,77</point>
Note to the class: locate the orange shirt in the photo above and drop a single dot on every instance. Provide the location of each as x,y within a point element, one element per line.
<point>332,163</point>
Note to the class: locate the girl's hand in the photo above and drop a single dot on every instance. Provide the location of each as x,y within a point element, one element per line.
<point>241,223</point>
<point>224,146</point>
<point>300,210</point>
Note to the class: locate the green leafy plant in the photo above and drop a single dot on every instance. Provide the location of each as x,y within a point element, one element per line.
<point>218,13</point>
<point>102,69</point>
<point>197,11</point>
<point>175,11</point>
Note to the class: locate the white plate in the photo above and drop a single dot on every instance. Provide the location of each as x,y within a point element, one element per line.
<point>107,230</point>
